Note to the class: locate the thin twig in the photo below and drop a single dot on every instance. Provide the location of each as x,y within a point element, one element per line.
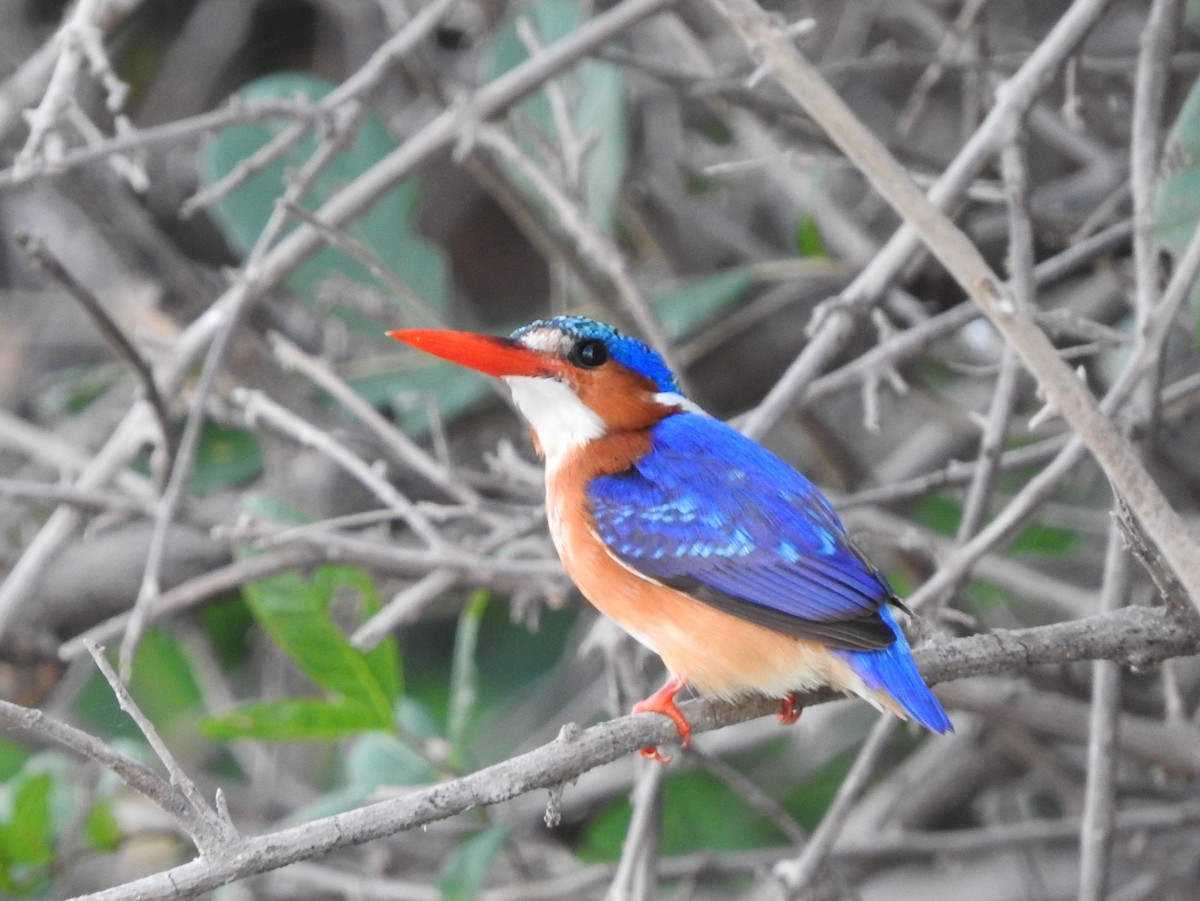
<point>349,113</point>
<point>962,259</point>
<point>46,260</point>
<point>403,450</point>
<point>1013,99</point>
<point>591,241</point>
<point>95,501</point>
<point>796,874</point>
<point>191,128</point>
<point>195,591</point>
<point>39,726</point>
<point>70,39</point>
<point>1099,799</point>
<point>636,875</point>
<point>336,237</point>
<point>257,407</point>
<point>212,833</point>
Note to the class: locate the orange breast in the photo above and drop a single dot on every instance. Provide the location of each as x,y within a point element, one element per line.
<point>716,652</point>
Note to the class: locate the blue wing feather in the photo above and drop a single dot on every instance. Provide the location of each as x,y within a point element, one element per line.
<point>716,514</point>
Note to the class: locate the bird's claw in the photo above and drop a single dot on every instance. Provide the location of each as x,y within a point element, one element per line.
<point>652,753</point>
<point>790,709</point>
<point>663,701</point>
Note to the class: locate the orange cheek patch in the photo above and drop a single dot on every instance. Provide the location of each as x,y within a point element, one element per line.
<point>620,397</point>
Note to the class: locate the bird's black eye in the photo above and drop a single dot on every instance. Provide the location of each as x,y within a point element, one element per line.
<point>589,353</point>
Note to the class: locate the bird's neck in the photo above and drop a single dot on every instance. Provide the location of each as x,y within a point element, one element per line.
<point>568,422</point>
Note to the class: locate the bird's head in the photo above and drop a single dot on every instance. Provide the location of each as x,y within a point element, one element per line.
<point>574,379</point>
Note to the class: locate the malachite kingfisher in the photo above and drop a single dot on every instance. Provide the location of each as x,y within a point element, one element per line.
<point>700,543</point>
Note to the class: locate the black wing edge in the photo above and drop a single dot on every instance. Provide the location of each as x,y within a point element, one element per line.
<point>864,633</point>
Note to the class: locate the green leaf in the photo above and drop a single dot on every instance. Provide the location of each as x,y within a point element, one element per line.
<point>260,506</point>
<point>464,674</point>
<point>387,228</point>
<point>12,757</point>
<point>683,310</point>
<point>940,513</point>
<point>163,682</point>
<point>1177,206</point>
<point>297,616</point>
<point>101,829</point>
<point>293,719</point>
<point>1046,540</point>
<point>689,823</point>
<point>465,872</point>
<point>808,239</point>
<point>225,458</point>
<point>28,842</point>
<point>163,685</point>
<point>379,758</point>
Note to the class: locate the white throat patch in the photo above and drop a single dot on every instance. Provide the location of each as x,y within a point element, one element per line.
<point>562,421</point>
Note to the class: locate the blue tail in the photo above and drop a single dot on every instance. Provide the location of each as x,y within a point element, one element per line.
<point>893,671</point>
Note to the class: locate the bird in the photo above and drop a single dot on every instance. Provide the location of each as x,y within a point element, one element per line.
<point>706,547</point>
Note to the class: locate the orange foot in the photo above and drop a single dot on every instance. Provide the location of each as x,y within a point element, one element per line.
<point>790,709</point>
<point>663,701</point>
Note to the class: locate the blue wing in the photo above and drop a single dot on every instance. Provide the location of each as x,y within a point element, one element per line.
<point>714,514</point>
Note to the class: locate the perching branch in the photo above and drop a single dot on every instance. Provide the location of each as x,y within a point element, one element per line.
<point>1132,636</point>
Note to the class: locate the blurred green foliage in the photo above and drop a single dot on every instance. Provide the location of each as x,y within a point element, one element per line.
<point>1177,207</point>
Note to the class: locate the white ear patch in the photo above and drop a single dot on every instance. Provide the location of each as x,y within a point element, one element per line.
<point>562,421</point>
<point>675,399</point>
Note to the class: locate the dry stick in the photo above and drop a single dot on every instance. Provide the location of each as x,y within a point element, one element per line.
<point>258,407</point>
<point>962,259</point>
<point>53,450</point>
<point>439,134</point>
<point>1172,749</point>
<point>798,873</point>
<point>1099,798</point>
<point>195,591</point>
<point>352,113</point>
<point>1012,101</point>
<point>364,80</point>
<point>122,446</point>
<point>235,112</point>
<point>1021,280</point>
<point>945,55</point>
<point>401,448</point>
<point>1133,635</point>
<point>1099,811</point>
<point>1150,340</point>
<point>911,341</point>
<point>69,39</point>
<point>407,605</point>
<point>873,849</point>
<point>355,249</point>
<point>212,833</point>
<point>571,150</point>
<point>95,501</point>
<point>634,879</point>
<point>591,241</point>
<point>44,258</point>
<point>41,727</point>
<point>1149,90</point>
<point>763,802</point>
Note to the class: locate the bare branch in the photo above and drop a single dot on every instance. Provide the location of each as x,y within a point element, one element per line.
<point>1132,635</point>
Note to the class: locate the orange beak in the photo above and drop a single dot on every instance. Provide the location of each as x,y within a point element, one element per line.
<point>485,353</point>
